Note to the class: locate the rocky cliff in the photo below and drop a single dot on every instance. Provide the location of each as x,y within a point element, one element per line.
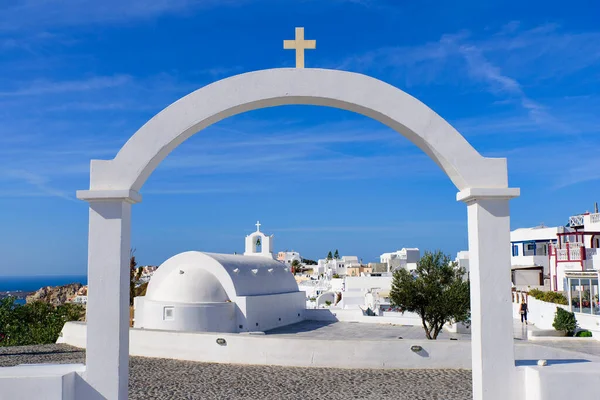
<point>55,295</point>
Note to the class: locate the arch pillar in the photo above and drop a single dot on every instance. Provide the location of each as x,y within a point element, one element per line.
<point>109,243</point>
<point>492,349</point>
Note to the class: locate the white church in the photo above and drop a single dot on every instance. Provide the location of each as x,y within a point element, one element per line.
<point>208,292</point>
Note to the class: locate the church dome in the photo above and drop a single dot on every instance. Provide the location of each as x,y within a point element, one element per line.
<point>185,283</point>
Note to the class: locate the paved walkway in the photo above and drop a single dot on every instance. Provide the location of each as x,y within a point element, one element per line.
<point>355,330</point>
<point>154,378</point>
<point>352,330</point>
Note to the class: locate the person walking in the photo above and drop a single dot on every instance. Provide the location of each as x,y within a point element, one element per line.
<point>524,310</point>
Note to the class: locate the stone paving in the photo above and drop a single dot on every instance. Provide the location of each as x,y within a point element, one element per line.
<point>352,330</point>
<point>587,346</point>
<point>355,330</point>
<point>154,378</point>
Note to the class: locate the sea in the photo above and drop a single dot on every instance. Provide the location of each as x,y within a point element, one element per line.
<point>33,283</point>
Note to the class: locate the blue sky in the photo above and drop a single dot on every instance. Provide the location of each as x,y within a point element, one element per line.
<point>77,78</point>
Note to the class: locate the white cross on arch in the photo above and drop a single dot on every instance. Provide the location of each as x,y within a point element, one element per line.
<point>257,226</point>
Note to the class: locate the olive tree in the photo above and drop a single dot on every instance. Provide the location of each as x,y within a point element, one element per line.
<point>435,291</point>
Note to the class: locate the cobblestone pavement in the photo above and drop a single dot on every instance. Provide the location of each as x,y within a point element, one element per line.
<point>154,378</point>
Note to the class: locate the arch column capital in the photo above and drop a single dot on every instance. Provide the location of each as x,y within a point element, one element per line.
<point>470,195</point>
<point>127,196</point>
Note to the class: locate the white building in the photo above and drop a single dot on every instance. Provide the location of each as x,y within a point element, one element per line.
<point>356,289</point>
<point>207,292</point>
<point>288,257</point>
<point>406,258</point>
<point>462,260</point>
<point>530,255</point>
<point>146,273</point>
<point>541,256</point>
<point>576,250</point>
<point>329,267</point>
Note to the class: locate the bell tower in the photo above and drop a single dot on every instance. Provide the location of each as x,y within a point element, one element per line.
<point>258,244</point>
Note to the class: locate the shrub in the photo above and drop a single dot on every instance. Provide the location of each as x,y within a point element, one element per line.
<point>536,294</point>
<point>554,297</point>
<point>584,334</point>
<point>34,323</point>
<point>327,302</point>
<point>548,297</point>
<point>564,321</point>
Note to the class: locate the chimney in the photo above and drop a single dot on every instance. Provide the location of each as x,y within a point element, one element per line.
<point>596,207</point>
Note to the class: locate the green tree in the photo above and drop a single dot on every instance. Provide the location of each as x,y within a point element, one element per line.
<point>329,256</point>
<point>295,266</point>
<point>436,292</point>
<point>336,255</point>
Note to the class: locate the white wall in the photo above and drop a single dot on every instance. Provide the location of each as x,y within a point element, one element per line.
<point>541,314</point>
<point>289,351</point>
<point>327,296</point>
<point>561,268</point>
<point>203,317</point>
<point>47,382</point>
<point>368,282</point>
<point>562,381</point>
<point>271,311</point>
<point>524,277</point>
<point>335,314</point>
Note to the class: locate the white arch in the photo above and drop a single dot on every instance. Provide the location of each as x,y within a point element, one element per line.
<point>267,88</point>
<point>482,182</point>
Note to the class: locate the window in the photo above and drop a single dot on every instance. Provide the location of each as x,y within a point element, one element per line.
<point>515,250</point>
<point>530,246</point>
<point>168,313</point>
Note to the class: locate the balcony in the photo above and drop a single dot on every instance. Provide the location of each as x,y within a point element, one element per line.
<point>578,221</point>
<point>575,221</point>
<point>574,253</point>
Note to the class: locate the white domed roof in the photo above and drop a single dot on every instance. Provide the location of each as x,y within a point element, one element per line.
<point>185,283</point>
<point>196,277</point>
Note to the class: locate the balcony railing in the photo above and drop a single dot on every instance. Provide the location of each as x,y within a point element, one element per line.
<point>562,255</point>
<point>595,218</point>
<point>576,220</point>
<point>575,253</point>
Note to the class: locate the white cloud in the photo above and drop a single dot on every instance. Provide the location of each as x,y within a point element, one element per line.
<point>43,87</point>
<point>40,185</point>
<point>499,64</point>
<point>43,14</point>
